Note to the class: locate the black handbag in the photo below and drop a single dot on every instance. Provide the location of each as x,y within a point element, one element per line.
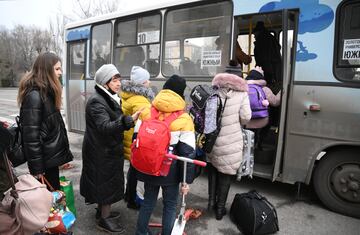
<point>253,214</point>
<point>16,154</point>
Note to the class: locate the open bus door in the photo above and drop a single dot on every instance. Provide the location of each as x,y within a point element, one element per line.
<point>288,42</point>
<point>268,160</point>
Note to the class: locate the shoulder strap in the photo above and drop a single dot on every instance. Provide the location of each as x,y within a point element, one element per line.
<point>221,108</point>
<point>172,117</point>
<point>154,113</point>
<point>10,175</point>
<point>169,119</point>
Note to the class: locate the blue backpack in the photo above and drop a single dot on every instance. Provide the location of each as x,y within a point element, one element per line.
<point>257,96</point>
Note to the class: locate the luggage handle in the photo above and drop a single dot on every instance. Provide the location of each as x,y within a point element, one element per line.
<point>256,195</point>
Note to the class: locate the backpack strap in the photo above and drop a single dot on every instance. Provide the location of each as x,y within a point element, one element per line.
<point>220,110</point>
<point>169,119</point>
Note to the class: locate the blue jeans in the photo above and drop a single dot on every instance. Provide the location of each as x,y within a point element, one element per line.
<point>170,198</point>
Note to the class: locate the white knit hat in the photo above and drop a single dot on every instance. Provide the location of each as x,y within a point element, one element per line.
<point>105,73</point>
<point>139,75</point>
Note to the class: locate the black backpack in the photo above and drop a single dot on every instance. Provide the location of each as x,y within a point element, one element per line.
<point>253,214</point>
<point>200,96</point>
<point>15,154</point>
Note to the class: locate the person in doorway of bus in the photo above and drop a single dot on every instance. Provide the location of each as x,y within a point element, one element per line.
<point>44,136</point>
<point>102,176</point>
<point>267,56</point>
<point>260,125</point>
<point>241,56</point>
<point>170,99</point>
<point>226,155</point>
<point>136,95</point>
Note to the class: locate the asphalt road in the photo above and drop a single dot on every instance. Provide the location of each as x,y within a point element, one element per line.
<point>304,216</point>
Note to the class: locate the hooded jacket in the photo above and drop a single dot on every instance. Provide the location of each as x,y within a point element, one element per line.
<point>102,177</point>
<point>134,97</point>
<point>182,139</point>
<point>44,136</point>
<point>226,154</point>
<point>274,100</point>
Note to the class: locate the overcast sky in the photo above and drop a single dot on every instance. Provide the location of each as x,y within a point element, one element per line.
<point>39,12</point>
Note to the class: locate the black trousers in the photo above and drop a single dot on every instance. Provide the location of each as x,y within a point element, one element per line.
<point>130,194</point>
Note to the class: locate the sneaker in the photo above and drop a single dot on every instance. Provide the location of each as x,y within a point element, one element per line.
<point>110,225</point>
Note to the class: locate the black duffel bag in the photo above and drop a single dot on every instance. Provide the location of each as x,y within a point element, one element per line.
<point>253,214</point>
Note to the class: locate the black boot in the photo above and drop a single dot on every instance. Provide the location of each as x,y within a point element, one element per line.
<point>110,225</point>
<point>113,214</point>
<point>224,182</point>
<point>212,172</point>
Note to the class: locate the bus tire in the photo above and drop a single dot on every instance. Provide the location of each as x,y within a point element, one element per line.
<point>337,181</point>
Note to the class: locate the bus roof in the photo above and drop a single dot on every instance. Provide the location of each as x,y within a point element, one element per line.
<point>126,12</point>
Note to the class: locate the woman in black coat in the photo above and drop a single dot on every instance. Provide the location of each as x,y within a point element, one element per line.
<point>44,136</point>
<point>102,177</point>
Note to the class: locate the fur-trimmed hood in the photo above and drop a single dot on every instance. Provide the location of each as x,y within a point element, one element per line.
<point>138,89</point>
<point>230,81</point>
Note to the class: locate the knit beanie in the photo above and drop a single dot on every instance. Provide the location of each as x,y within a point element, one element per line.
<point>177,84</point>
<point>234,68</point>
<point>104,74</point>
<point>139,75</point>
<point>256,74</point>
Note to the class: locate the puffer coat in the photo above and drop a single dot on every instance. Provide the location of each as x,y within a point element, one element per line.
<point>44,136</point>
<point>134,97</point>
<point>182,139</point>
<point>102,177</point>
<point>226,154</point>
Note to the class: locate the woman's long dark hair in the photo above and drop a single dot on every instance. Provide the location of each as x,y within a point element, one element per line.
<point>42,76</point>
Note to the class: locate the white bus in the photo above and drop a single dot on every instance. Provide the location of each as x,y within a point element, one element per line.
<point>317,139</point>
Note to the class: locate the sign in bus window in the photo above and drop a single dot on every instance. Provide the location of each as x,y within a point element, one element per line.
<point>211,58</point>
<point>148,37</point>
<point>351,49</point>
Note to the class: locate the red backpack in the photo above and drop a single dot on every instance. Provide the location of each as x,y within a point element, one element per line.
<point>152,143</point>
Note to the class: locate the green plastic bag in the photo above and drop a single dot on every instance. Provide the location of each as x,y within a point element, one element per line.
<point>67,187</point>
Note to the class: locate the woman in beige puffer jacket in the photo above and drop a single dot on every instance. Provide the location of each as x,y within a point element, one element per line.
<point>226,155</point>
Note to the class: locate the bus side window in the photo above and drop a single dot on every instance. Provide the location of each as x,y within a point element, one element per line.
<point>347,42</point>
<point>100,46</point>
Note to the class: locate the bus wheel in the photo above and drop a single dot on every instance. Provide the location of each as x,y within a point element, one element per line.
<point>337,181</point>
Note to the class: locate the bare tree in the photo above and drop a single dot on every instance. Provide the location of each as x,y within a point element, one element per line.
<point>86,9</point>
<point>7,59</point>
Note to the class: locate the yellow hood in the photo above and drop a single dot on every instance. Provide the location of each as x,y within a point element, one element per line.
<point>168,101</point>
<point>126,95</point>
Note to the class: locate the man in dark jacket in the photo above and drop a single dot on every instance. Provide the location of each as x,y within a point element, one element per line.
<point>169,100</point>
<point>267,56</point>
<point>102,177</point>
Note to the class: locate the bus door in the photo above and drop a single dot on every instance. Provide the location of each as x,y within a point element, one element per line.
<point>268,154</point>
<point>76,86</point>
<point>288,40</point>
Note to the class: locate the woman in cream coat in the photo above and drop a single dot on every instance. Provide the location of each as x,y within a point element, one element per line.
<point>226,155</point>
